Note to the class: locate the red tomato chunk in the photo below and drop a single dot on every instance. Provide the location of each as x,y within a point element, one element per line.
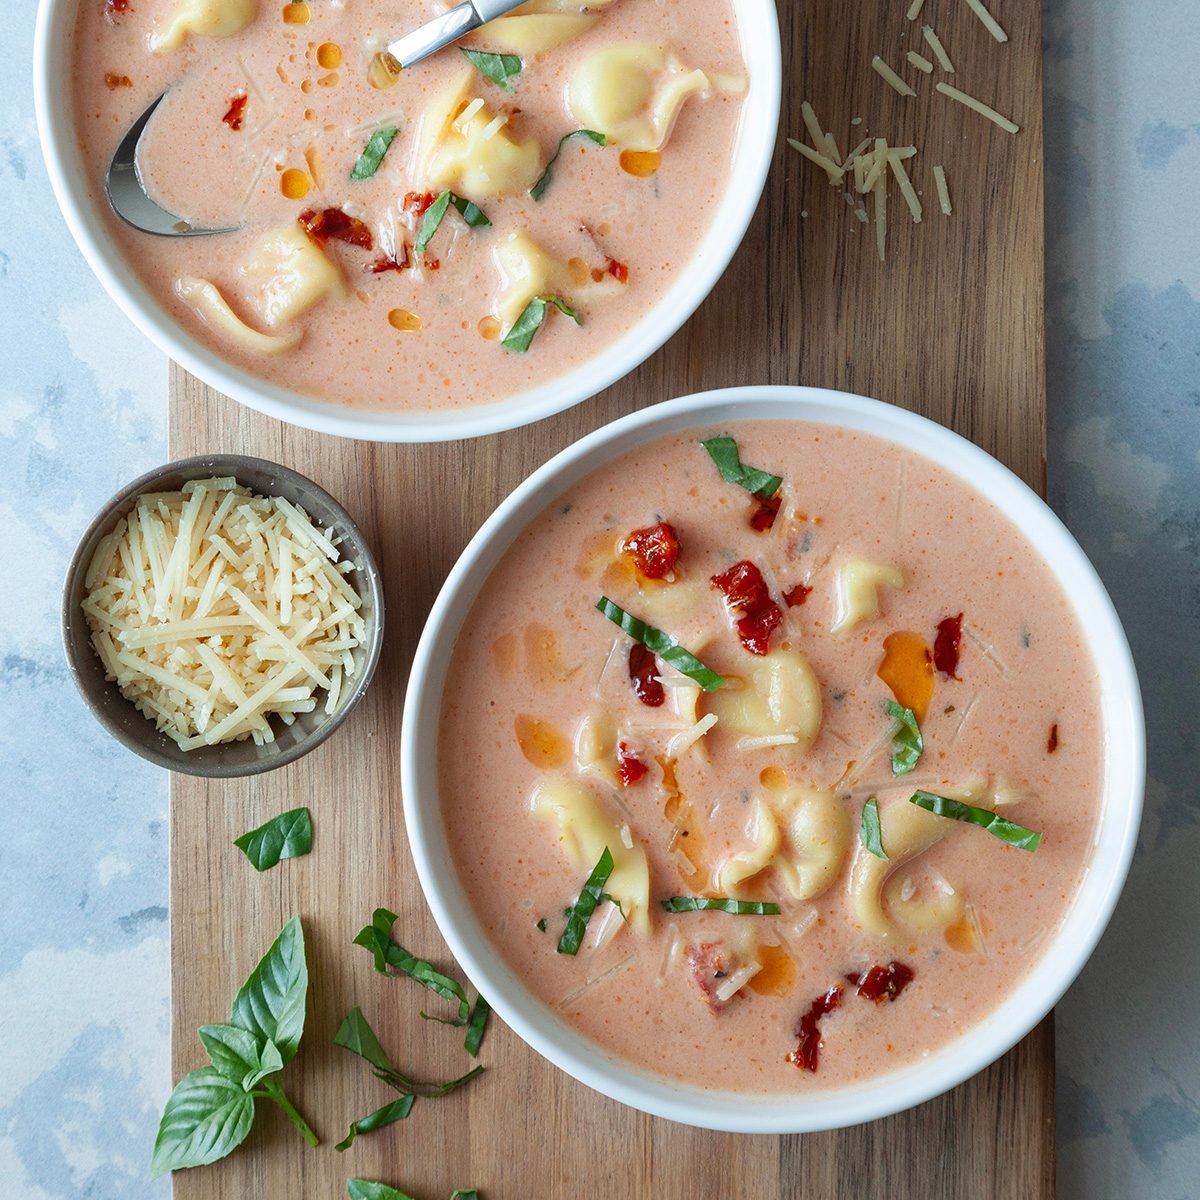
<point>747,598</point>
<point>630,768</point>
<point>654,550</point>
<point>881,983</point>
<point>808,1031</point>
<point>643,667</point>
<point>946,645</point>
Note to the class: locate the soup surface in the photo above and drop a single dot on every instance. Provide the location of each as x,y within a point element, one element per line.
<point>325,288</point>
<point>849,684</point>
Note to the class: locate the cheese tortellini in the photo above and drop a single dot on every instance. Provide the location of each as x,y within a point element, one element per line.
<point>203,18</point>
<point>213,309</point>
<point>465,146</point>
<point>596,745</point>
<point>779,696</point>
<point>584,830</point>
<point>817,832</point>
<point>858,584</point>
<point>632,93</point>
<point>291,274</point>
<point>764,845</point>
<point>539,25</point>
<point>526,271</point>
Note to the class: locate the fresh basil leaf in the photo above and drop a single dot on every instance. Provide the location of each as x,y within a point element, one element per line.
<point>239,1055</point>
<point>539,189</point>
<point>356,1035</point>
<point>377,937</point>
<point>271,1002</point>
<point>364,1189</point>
<point>499,68</point>
<point>581,911</point>
<point>869,830</point>
<point>1006,830</point>
<point>908,744</point>
<point>751,908</point>
<point>397,1110</point>
<point>665,646</point>
<point>542,925</point>
<point>477,1026</point>
<point>269,1063</point>
<point>288,835</point>
<point>207,1116</point>
<point>465,1194</point>
<point>520,336</point>
<point>373,152</point>
<point>724,453</point>
<point>432,220</point>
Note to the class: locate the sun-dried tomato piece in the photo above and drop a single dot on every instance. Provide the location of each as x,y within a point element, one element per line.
<point>417,202</point>
<point>654,549</point>
<point>946,645</point>
<point>630,768</point>
<point>796,596</point>
<point>333,223</point>
<point>881,983</point>
<point>618,270</point>
<point>708,967</point>
<point>808,1031</point>
<point>237,112</point>
<point>746,596</point>
<point>643,667</point>
<point>112,81</point>
<point>432,264</point>
<point>398,261</point>
<point>1052,739</point>
<point>763,517</point>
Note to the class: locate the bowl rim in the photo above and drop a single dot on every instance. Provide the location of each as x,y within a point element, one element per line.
<point>1058,961</point>
<point>118,505</point>
<point>754,150</point>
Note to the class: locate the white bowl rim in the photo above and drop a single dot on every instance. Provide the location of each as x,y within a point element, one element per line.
<point>1059,960</point>
<point>757,128</point>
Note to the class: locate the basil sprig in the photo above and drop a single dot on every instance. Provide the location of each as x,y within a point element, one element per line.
<point>908,744</point>
<point>288,835</point>
<point>869,830</point>
<point>1001,827</point>
<point>539,189</point>
<point>581,911</point>
<point>665,646</point>
<point>377,937</point>
<point>364,1189</point>
<point>372,154</point>
<point>211,1110</point>
<point>501,69</point>
<point>748,908</point>
<point>724,453</point>
<point>431,222</point>
<point>520,336</point>
<point>389,1114</point>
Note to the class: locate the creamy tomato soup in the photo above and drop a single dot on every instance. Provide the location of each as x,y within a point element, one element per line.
<point>872,630</point>
<point>324,288</point>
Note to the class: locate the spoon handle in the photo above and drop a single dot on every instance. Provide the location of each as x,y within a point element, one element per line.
<point>447,28</point>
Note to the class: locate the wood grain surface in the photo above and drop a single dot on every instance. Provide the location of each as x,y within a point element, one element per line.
<point>952,326</point>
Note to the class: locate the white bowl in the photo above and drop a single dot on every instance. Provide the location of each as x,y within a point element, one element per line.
<point>758,25</point>
<point>1059,961</point>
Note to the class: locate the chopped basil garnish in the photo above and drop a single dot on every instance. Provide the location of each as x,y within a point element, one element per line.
<point>724,453</point>
<point>397,1110</point>
<point>539,188</point>
<point>530,321</point>
<point>542,925</point>
<point>665,646</point>
<point>1006,830</point>
<point>288,835</point>
<point>751,908</point>
<point>908,743</point>
<point>432,220</point>
<point>477,1026</point>
<point>581,911</point>
<point>365,1189</point>
<point>499,68</point>
<point>869,830</point>
<point>465,1194</point>
<point>372,155</point>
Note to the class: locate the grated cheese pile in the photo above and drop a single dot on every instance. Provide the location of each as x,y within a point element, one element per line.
<point>214,609</point>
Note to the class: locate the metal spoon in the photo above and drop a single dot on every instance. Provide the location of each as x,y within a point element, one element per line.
<point>127,193</point>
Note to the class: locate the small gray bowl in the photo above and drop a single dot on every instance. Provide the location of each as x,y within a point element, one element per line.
<point>229,759</point>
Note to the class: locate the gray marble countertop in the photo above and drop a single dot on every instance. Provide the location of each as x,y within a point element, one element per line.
<point>83,867</point>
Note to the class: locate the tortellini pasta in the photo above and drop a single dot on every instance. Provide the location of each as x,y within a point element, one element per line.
<point>817,832</point>
<point>632,93</point>
<point>526,271</point>
<point>212,308</point>
<point>596,745</point>
<point>465,146</point>
<point>764,845</point>
<point>204,18</point>
<point>922,906</point>
<point>585,829</point>
<point>858,584</point>
<point>779,696</point>
<point>291,274</point>
<point>540,25</point>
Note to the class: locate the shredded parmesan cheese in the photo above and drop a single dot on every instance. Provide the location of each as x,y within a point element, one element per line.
<point>939,178</point>
<point>214,609</point>
<point>689,737</point>
<point>978,106</point>
<point>990,22</point>
<point>895,161</point>
<point>728,988</point>
<point>773,739</point>
<point>881,68</point>
<point>920,62</point>
<point>826,164</point>
<point>914,9</point>
<point>880,191</point>
<point>939,51</point>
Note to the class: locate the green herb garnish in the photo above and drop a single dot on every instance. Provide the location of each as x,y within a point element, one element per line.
<point>465,1194</point>
<point>724,453</point>
<point>477,1026</point>
<point>288,835</point>
<point>539,189</point>
<point>581,911</point>
<point>365,1189</point>
<point>749,908</point>
<point>373,152</point>
<point>1006,830</point>
<point>499,68</point>
<point>530,321</point>
<point>869,830</point>
<point>542,925</point>
<point>662,644</point>
<point>432,220</point>
<point>908,743</point>
<point>211,1110</point>
<point>397,1110</point>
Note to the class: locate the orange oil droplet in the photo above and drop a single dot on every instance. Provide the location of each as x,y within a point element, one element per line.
<point>504,653</point>
<point>907,668</point>
<point>297,14</point>
<point>309,114</point>
<point>578,270</point>
<point>330,80</point>
<point>329,55</point>
<point>642,163</point>
<point>405,321</point>
<point>687,838</point>
<point>294,184</point>
<point>112,81</point>
<point>960,936</point>
<point>489,328</point>
<point>306,86</point>
<point>773,778</point>
<point>383,71</point>
<point>312,156</point>
<point>777,974</point>
<point>541,744</point>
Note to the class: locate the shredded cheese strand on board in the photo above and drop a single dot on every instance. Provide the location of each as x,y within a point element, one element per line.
<point>990,22</point>
<point>939,51</point>
<point>939,178</point>
<point>978,106</point>
<point>890,77</point>
<point>920,62</point>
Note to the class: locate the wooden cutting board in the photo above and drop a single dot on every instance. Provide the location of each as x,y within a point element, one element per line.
<point>952,326</point>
